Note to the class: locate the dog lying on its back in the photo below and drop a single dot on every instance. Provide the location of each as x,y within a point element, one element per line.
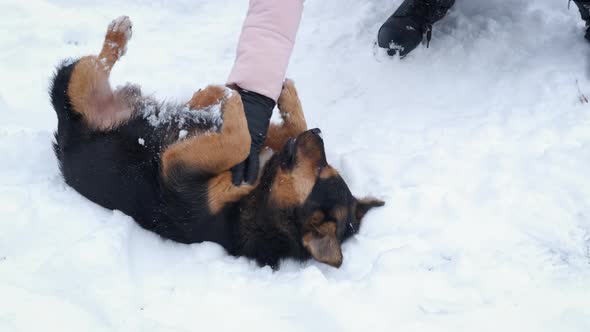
<point>167,166</point>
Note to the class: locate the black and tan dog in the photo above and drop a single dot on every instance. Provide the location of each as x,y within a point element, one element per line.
<point>167,166</point>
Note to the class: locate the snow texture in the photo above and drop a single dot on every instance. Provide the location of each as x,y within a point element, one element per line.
<point>480,145</point>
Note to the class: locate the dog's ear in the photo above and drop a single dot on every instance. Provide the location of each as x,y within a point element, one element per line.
<point>364,205</point>
<point>323,245</point>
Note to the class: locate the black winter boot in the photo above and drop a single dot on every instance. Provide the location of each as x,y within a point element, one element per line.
<point>405,29</point>
<point>584,7</point>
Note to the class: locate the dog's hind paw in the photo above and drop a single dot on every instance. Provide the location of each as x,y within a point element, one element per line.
<point>121,24</point>
<point>119,33</point>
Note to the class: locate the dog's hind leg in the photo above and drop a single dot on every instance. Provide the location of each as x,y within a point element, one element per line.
<point>114,47</point>
<point>293,119</point>
<point>89,89</point>
<point>212,154</point>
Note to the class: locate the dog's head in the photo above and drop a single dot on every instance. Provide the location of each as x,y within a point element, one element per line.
<point>305,191</point>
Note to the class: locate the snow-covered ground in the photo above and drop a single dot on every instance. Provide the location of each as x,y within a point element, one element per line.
<point>480,145</point>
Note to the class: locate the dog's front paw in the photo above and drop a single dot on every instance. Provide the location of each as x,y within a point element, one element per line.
<point>288,101</point>
<point>289,91</point>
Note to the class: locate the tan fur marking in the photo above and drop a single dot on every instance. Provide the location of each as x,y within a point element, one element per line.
<point>222,191</point>
<point>88,80</point>
<point>292,188</point>
<point>214,152</point>
<point>328,172</point>
<point>89,89</point>
<point>91,95</point>
<point>292,115</point>
<point>211,95</point>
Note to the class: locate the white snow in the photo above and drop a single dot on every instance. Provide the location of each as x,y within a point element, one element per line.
<point>480,145</point>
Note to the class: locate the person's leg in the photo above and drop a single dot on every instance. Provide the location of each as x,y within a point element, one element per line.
<point>405,29</point>
<point>584,7</point>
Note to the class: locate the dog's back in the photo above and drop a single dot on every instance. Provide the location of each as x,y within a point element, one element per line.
<point>109,168</point>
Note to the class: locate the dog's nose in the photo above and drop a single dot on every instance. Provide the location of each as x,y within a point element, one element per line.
<point>316,131</point>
